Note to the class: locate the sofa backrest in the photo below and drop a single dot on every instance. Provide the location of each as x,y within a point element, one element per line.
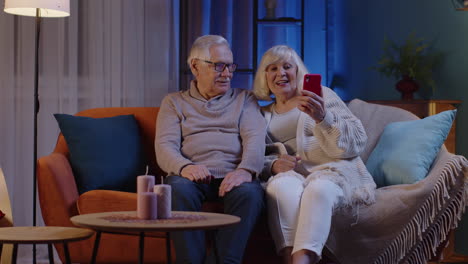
<point>374,118</point>
<point>146,118</point>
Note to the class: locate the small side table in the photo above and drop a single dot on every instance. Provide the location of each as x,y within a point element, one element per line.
<point>121,222</point>
<point>43,235</point>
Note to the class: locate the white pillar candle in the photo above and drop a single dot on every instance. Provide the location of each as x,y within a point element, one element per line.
<point>163,192</point>
<point>145,183</point>
<point>147,205</point>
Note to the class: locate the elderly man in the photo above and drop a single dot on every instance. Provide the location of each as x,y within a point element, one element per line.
<point>210,139</point>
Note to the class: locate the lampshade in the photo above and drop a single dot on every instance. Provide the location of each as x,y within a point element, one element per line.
<point>49,8</point>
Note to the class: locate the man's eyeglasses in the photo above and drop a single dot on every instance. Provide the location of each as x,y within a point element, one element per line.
<point>219,66</point>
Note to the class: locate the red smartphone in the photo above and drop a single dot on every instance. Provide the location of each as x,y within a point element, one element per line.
<point>312,83</point>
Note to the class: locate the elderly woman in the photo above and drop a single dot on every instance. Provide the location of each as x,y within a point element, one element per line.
<point>317,167</point>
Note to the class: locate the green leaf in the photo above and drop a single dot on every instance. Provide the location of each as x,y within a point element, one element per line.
<point>414,58</point>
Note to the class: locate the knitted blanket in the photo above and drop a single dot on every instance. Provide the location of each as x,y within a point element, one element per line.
<point>408,222</point>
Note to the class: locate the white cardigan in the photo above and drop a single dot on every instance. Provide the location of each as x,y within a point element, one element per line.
<point>330,149</point>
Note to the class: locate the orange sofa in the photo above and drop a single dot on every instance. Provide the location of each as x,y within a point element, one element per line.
<point>385,232</point>
<point>59,200</point>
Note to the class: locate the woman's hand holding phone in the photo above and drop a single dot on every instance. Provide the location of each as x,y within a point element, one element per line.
<point>311,101</point>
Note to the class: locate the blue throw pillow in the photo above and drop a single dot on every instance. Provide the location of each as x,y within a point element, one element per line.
<point>406,149</point>
<point>105,153</point>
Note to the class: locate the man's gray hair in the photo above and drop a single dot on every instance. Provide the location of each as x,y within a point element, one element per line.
<point>201,47</point>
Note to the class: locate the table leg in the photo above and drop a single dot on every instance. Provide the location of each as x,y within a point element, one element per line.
<point>96,247</point>
<point>141,255</point>
<point>67,253</point>
<point>212,233</point>
<point>168,247</point>
<point>51,253</point>
<point>34,254</point>
<point>15,253</point>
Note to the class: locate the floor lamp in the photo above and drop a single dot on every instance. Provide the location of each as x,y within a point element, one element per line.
<point>38,9</point>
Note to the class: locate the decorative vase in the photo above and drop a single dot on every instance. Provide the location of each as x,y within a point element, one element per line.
<point>407,86</point>
<point>270,6</point>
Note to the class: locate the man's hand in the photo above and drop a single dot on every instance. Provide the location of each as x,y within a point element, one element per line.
<point>233,179</point>
<point>284,163</point>
<point>196,173</point>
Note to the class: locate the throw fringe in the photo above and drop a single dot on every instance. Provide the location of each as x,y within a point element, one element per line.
<point>421,237</point>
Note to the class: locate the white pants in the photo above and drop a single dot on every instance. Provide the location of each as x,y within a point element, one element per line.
<point>300,211</point>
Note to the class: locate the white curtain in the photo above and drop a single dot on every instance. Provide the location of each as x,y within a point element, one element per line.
<point>108,53</point>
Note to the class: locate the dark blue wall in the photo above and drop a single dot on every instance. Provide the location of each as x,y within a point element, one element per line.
<point>357,32</point>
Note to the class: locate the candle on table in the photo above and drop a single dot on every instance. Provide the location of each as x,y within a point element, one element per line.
<point>145,183</point>
<point>163,192</point>
<point>146,199</point>
<point>147,206</point>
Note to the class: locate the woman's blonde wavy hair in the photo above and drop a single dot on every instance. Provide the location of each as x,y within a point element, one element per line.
<point>273,55</point>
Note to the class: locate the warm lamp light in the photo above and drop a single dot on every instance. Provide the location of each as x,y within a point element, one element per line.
<point>48,8</point>
<point>37,9</point>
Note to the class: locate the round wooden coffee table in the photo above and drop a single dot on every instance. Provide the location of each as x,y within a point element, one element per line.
<point>120,222</point>
<point>43,235</point>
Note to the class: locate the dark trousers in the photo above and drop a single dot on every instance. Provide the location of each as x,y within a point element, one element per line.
<point>245,201</point>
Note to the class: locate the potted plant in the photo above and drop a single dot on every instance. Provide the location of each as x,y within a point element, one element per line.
<point>411,63</point>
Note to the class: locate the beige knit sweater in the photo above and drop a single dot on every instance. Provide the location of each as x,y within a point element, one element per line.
<point>331,148</point>
<point>224,133</point>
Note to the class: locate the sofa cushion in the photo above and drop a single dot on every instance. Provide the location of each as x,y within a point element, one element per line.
<point>105,153</point>
<point>374,118</point>
<point>406,150</point>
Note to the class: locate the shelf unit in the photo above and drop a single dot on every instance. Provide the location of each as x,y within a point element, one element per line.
<point>280,22</point>
<point>287,28</point>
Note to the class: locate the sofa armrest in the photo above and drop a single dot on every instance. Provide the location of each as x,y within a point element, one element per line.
<point>57,190</point>
<point>98,201</point>
<point>443,159</point>
<point>407,220</point>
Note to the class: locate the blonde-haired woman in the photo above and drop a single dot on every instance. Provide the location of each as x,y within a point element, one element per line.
<point>317,167</point>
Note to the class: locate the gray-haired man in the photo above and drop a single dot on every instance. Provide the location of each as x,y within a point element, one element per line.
<point>210,139</point>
